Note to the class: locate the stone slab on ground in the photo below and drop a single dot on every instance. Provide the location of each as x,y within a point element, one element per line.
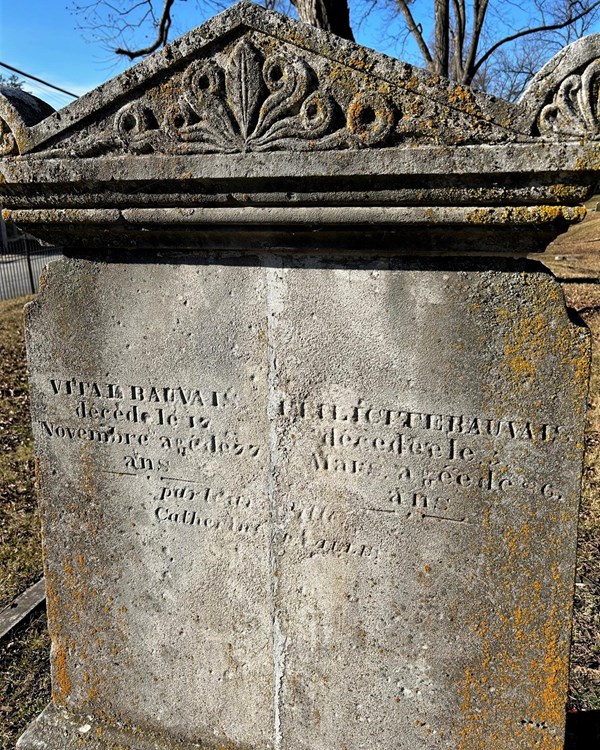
<point>22,606</point>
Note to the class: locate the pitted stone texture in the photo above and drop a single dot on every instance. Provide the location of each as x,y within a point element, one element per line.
<point>157,615</point>
<point>350,521</point>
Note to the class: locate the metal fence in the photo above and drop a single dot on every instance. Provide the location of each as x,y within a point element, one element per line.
<point>21,263</point>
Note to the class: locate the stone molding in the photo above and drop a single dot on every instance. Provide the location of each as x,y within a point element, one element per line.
<point>253,110</point>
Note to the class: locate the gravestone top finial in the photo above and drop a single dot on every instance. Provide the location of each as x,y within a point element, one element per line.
<point>19,111</point>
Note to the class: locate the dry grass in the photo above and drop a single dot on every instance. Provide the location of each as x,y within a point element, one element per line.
<point>24,667</point>
<point>24,678</point>
<point>585,653</point>
<point>20,555</point>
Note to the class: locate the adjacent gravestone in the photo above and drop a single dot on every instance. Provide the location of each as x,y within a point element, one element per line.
<point>309,436</point>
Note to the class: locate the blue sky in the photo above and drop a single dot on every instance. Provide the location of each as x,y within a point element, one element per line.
<point>41,38</point>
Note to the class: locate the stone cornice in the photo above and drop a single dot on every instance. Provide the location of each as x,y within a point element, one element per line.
<point>253,112</point>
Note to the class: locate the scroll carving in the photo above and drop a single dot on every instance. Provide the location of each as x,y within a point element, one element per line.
<point>574,109</point>
<point>251,104</point>
<point>8,143</point>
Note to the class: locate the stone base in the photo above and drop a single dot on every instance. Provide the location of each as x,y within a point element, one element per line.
<point>58,729</point>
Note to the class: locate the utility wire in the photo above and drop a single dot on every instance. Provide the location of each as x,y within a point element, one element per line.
<point>40,80</point>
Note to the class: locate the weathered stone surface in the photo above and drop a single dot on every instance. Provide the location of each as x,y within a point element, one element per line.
<point>360,529</point>
<point>164,619</point>
<point>300,489</point>
<point>253,114</point>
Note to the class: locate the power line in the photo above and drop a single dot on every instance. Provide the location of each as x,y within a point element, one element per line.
<point>38,90</point>
<point>40,80</point>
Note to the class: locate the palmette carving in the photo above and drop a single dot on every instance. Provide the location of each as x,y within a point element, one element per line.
<point>574,108</point>
<point>255,104</point>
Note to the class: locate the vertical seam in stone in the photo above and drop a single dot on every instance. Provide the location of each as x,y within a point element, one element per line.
<point>272,272</point>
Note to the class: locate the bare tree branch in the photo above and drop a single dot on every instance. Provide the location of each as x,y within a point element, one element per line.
<point>528,32</point>
<point>416,31</point>
<point>162,36</point>
<point>466,40</point>
<point>480,8</point>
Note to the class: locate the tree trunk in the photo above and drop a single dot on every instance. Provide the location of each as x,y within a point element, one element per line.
<point>442,35</point>
<point>329,15</point>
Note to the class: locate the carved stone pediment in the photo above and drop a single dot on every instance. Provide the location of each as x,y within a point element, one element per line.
<point>564,96</point>
<point>252,81</point>
<point>260,121</point>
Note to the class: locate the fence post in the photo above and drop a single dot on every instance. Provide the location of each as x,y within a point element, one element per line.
<point>29,269</point>
<point>3,235</point>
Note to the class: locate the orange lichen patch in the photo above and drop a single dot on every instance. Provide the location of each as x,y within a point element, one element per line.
<point>74,583</point>
<point>513,693</point>
<point>537,342</point>
<point>525,346</point>
<point>360,61</point>
<point>412,83</point>
<point>463,99</point>
<point>384,88</point>
<point>87,470</point>
<point>167,92</point>
<point>62,685</point>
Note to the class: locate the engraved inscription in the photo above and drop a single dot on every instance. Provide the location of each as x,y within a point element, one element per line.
<point>180,442</point>
<point>363,413</point>
<point>423,466</point>
<point>420,466</point>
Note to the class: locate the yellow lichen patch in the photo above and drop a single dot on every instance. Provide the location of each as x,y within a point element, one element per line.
<point>462,98</point>
<point>568,193</point>
<point>62,685</point>
<point>591,160</point>
<point>526,215</point>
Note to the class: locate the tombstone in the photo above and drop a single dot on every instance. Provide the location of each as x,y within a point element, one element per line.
<point>308,424</point>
